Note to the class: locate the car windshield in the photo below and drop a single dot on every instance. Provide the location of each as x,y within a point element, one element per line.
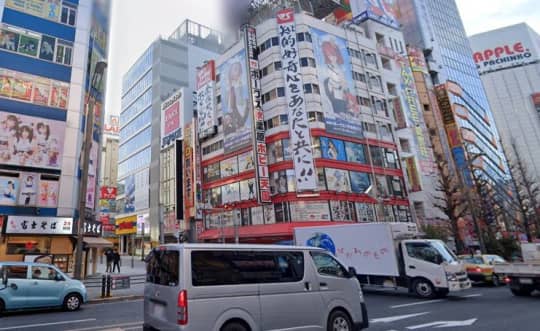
<point>495,259</point>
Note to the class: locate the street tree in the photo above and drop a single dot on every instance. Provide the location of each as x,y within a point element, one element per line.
<point>528,192</point>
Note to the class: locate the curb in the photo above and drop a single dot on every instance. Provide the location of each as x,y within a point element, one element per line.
<point>116,299</point>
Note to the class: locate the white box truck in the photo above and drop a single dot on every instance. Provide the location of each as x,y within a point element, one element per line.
<point>523,277</point>
<point>384,254</point>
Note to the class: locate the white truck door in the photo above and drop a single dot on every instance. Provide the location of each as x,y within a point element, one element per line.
<point>422,261</point>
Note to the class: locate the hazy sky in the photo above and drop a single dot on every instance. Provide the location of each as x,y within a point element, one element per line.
<point>136,23</point>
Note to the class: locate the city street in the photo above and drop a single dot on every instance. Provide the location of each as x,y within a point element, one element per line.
<point>481,308</point>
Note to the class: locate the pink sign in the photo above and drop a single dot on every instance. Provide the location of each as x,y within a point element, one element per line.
<point>172,118</point>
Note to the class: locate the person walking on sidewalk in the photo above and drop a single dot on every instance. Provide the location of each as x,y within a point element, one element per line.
<point>116,260</point>
<point>109,256</point>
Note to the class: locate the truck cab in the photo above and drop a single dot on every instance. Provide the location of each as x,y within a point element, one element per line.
<point>430,268</point>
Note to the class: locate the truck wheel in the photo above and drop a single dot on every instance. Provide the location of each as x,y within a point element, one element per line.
<point>423,288</point>
<point>522,291</point>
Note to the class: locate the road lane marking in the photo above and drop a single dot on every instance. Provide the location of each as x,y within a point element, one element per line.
<point>111,326</point>
<point>416,303</point>
<point>93,305</point>
<point>443,324</point>
<point>395,318</point>
<point>472,295</point>
<point>47,324</point>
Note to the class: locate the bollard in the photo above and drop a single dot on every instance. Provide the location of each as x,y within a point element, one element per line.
<point>103,284</point>
<point>109,285</point>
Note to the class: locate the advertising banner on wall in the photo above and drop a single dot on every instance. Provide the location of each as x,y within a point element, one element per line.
<point>412,173</point>
<point>28,189</point>
<point>112,126</point>
<point>108,192</point>
<point>382,11</point>
<point>48,193</point>
<point>9,187</point>
<point>188,178</point>
<point>235,98</point>
<point>259,133</point>
<point>30,141</point>
<point>39,225</point>
<point>360,182</point>
<point>206,101</point>
<point>338,180</point>
<point>49,9</point>
<point>126,225</point>
<point>333,149</point>
<point>414,115</point>
<point>92,177</point>
<point>336,84</point>
<point>504,48</point>
<point>300,138</point>
<point>310,211</point>
<point>172,122</point>
<point>129,206</point>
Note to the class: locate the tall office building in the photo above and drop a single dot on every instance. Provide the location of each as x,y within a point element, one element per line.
<point>509,66</point>
<point>48,55</point>
<point>166,66</point>
<point>435,27</point>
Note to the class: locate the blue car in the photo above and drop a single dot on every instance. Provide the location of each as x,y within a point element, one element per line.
<point>26,285</point>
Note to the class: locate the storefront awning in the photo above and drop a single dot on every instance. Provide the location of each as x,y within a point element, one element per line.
<point>97,242</point>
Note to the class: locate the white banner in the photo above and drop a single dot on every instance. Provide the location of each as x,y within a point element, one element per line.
<point>302,153</point>
<point>172,118</point>
<point>206,107</point>
<point>39,225</point>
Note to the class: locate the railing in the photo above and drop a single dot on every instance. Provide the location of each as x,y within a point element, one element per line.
<point>109,282</point>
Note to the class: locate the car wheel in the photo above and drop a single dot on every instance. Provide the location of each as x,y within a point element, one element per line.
<point>339,321</point>
<point>72,302</point>
<point>424,289</point>
<point>495,280</point>
<point>234,326</point>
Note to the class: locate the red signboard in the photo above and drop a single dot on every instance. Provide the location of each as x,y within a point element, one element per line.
<point>108,192</point>
<point>104,219</point>
<point>206,74</point>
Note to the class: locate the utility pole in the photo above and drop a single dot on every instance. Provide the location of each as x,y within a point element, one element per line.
<point>95,83</point>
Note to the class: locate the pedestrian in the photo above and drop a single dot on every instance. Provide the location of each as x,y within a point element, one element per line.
<point>109,257</point>
<point>116,260</point>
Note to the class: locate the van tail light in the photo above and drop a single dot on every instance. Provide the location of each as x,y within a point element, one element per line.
<point>507,280</point>
<point>182,315</point>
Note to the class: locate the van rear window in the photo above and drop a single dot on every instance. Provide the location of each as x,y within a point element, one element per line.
<point>211,268</point>
<point>162,267</point>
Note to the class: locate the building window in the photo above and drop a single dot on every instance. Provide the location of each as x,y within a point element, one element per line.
<point>315,116</point>
<point>311,88</point>
<point>386,63</point>
<point>308,62</point>
<point>363,101</point>
<point>282,212</point>
<point>68,15</point>
<point>369,127</point>
<point>359,77</point>
<point>419,209</point>
<point>213,147</point>
<point>63,54</point>
<point>405,145</point>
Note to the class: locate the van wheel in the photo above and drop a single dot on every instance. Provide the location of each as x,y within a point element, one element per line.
<point>72,302</point>
<point>423,288</point>
<point>339,321</point>
<point>234,326</point>
<point>522,291</point>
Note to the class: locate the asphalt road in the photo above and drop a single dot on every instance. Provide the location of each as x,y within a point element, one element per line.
<point>481,308</point>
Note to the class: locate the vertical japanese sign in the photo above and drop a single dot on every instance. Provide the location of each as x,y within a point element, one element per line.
<point>188,172</point>
<point>206,107</point>
<point>259,136</point>
<point>413,113</point>
<point>304,167</point>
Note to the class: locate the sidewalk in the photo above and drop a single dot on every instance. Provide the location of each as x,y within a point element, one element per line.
<point>135,290</point>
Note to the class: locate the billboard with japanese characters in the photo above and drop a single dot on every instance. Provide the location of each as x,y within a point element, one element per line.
<point>39,225</point>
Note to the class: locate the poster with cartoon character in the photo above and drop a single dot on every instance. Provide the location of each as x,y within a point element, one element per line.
<point>28,189</point>
<point>337,180</point>
<point>9,187</point>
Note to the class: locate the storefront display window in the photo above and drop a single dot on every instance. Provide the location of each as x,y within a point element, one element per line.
<point>30,245</point>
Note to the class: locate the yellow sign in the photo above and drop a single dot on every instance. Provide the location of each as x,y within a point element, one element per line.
<point>48,9</point>
<point>126,225</point>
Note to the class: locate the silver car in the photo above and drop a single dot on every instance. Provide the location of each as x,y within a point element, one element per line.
<point>250,288</point>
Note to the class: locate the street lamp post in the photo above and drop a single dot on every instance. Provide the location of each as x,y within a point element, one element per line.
<point>97,78</point>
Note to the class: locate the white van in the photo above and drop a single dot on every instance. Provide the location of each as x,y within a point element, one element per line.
<point>217,287</point>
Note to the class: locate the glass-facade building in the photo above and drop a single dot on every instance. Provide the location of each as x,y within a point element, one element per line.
<point>436,27</point>
<point>166,66</point>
